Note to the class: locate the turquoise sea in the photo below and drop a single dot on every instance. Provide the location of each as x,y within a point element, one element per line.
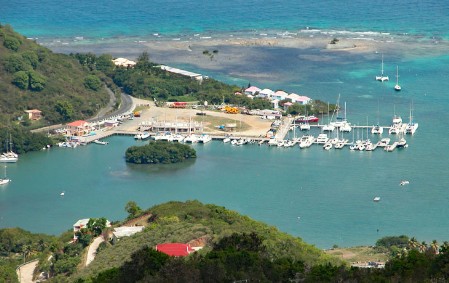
<point>330,191</point>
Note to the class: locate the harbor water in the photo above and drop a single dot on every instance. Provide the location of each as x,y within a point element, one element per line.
<point>324,197</point>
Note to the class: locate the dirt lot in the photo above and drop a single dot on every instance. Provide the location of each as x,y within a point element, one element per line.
<point>247,125</point>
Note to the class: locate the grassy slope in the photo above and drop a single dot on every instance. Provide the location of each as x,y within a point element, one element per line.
<point>64,81</point>
<point>185,221</point>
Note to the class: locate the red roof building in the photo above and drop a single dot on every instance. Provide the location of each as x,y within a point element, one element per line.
<point>175,249</point>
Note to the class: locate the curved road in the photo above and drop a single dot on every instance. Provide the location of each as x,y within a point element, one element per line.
<point>25,272</point>
<point>91,252</point>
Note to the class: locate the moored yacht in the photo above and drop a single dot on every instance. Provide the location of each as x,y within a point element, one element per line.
<point>377,130</point>
<point>204,138</point>
<point>191,138</point>
<point>322,139</point>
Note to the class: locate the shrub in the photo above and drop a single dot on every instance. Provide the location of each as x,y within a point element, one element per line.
<point>12,43</point>
<point>92,82</point>
<point>21,79</point>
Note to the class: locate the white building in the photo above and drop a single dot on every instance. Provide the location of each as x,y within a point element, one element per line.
<point>280,95</point>
<point>265,93</point>
<point>120,232</point>
<point>295,98</point>
<point>253,90</point>
<point>123,62</point>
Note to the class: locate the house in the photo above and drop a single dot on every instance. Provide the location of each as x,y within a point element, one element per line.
<point>175,249</point>
<point>81,224</point>
<point>34,114</point>
<point>274,103</point>
<point>280,95</point>
<point>78,128</point>
<point>253,90</point>
<point>295,98</point>
<point>287,105</point>
<point>120,232</point>
<point>123,62</point>
<point>265,93</point>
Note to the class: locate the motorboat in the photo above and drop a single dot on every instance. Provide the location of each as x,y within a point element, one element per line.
<point>383,142</point>
<point>322,139</point>
<point>402,143</point>
<point>396,127</point>
<point>226,140</point>
<point>306,119</point>
<point>4,181</point>
<point>306,141</point>
<point>204,138</point>
<point>177,138</point>
<point>101,142</point>
<point>404,182</point>
<point>304,127</point>
<point>191,138</point>
<point>327,146</point>
<point>328,128</point>
<point>377,130</point>
<point>376,199</point>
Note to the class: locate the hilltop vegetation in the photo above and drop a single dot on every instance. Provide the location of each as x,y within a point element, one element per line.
<point>187,221</point>
<point>32,76</point>
<point>235,248</point>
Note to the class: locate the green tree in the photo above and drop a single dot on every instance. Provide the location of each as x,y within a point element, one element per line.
<point>133,209</point>
<point>21,79</point>
<point>92,82</point>
<point>37,81</point>
<point>31,57</point>
<point>15,63</point>
<point>96,225</point>
<point>65,109</point>
<point>12,43</point>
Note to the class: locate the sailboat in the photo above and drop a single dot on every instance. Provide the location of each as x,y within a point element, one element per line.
<point>397,87</point>
<point>411,125</point>
<point>9,156</point>
<point>382,77</point>
<point>377,129</point>
<point>5,180</point>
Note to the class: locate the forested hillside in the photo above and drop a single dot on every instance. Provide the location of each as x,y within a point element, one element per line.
<point>32,76</point>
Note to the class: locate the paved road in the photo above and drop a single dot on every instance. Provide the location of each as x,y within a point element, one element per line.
<point>25,272</point>
<point>92,251</point>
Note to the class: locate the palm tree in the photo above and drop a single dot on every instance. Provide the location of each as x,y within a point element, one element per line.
<point>413,243</point>
<point>434,246</point>
<point>423,246</point>
<point>444,247</point>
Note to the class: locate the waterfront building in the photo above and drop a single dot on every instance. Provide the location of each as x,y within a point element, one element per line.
<point>173,127</point>
<point>295,98</point>
<point>78,128</point>
<point>253,90</point>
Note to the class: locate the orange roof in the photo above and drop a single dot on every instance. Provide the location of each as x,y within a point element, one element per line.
<point>78,123</point>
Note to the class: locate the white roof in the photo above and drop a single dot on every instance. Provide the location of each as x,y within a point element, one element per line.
<point>266,91</point>
<point>126,231</point>
<point>81,222</point>
<point>123,62</point>
<point>179,71</point>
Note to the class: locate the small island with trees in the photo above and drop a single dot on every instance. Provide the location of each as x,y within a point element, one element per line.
<point>159,152</point>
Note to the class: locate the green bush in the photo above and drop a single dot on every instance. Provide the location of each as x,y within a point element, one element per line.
<point>92,82</point>
<point>21,79</point>
<point>12,43</point>
<point>37,81</point>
